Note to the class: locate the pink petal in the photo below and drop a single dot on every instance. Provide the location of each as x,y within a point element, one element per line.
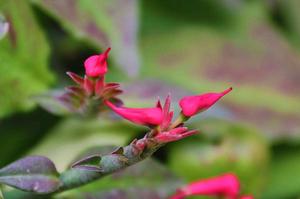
<point>143,116</point>
<point>192,105</point>
<point>96,65</point>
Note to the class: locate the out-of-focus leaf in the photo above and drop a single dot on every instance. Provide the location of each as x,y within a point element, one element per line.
<point>21,132</point>
<point>222,147</point>
<point>147,179</point>
<point>201,58</point>
<point>284,178</point>
<point>1,195</point>
<point>289,18</point>
<point>49,101</point>
<point>23,63</point>
<point>104,23</point>
<point>74,135</point>
<point>34,173</point>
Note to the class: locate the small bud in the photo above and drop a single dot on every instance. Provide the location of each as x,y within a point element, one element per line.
<point>174,135</point>
<point>192,105</point>
<point>96,65</point>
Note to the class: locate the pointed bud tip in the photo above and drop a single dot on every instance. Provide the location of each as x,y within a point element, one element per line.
<point>107,51</point>
<point>227,91</point>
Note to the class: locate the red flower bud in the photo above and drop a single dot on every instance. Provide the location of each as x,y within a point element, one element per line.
<point>174,134</point>
<point>226,185</point>
<point>192,105</point>
<point>96,65</point>
<point>143,116</point>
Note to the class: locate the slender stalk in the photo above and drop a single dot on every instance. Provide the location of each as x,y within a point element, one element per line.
<point>135,152</point>
<point>180,120</point>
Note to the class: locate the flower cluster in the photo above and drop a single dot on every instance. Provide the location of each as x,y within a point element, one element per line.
<point>226,186</point>
<point>91,95</point>
<point>91,87</point>
<point>158,118</point>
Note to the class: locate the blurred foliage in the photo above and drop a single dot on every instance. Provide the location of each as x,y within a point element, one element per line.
<point>22,131</point>
<point>159,47</point>
<point>23,59</point>
<point>284,173</point>
<point>223,147</point>
<point>242,55</point>
<point>107,24</point>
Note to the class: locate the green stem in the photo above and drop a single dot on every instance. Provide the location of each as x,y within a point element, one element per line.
<point>181,119</point>
<point>75,177</point>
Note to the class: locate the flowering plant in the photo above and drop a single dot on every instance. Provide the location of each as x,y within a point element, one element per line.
<point>92,94</point>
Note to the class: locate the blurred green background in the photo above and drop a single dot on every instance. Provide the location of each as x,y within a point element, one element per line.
<point>160,47</point>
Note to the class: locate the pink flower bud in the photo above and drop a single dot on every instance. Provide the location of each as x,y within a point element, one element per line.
<point>174,134</point>
<point>226,185</point>
<point>143,116</point>
<point>96,65</point>
<point>192,105</point>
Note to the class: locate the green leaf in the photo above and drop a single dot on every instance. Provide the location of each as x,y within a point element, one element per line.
<point>284,177</point>
<point>23,63</point>
<point>1,195</point>
<point>91,163</point>
<point>34,174</point>
<point>104,23</point>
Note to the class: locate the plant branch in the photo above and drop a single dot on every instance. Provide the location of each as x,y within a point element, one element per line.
<point>82,172</point>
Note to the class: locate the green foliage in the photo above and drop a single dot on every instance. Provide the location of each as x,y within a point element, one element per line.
<point>284,173</point>
<point>104,23</point>
<point>201,57</point>
<point>222,147</point>
<point>1,195</point>
<point>22,132</point>
<point>24,55</point>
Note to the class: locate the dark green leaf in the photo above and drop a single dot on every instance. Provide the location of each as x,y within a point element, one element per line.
<point>91,163</point>
<point>284,178</point>
<point>34,173</point>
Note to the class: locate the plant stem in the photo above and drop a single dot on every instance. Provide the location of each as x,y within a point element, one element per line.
<point>131,154</point>
<point>181,119</point>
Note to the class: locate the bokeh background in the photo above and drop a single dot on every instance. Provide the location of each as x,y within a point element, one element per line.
<point>160,47</point>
